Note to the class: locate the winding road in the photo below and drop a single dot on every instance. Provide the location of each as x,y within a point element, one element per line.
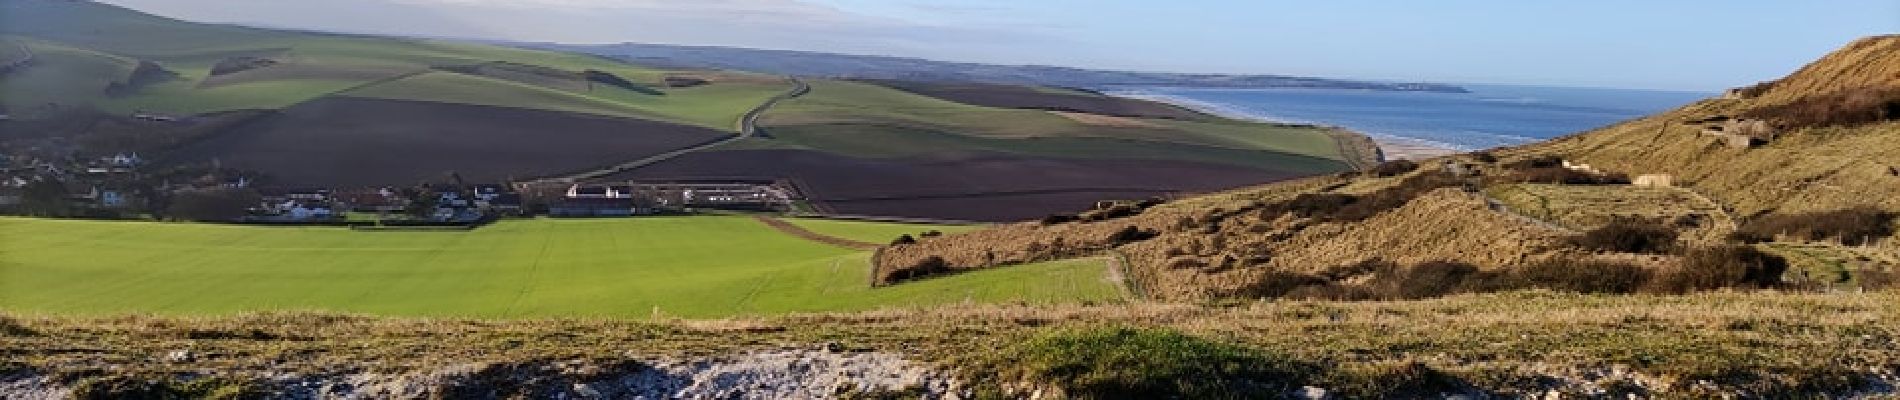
<point>748,126</point>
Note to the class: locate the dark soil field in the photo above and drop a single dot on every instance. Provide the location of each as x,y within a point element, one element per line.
<point>975,187</point>
<point>1006,96</point>
<point>344,142</point>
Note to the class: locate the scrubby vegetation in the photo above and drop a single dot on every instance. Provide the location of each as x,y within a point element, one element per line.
<point>1134,363</point>
<point>1345,207</point>
<point>1854,226</point>
<point>1394,168</point>
<point>1630,235</point>
<point>1699,269</point>
<point>1511,345</point>
<point>1843,108</point>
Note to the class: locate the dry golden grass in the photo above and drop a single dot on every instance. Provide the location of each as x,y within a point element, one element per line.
<point>1584,207</point>
<point>1761,342</point>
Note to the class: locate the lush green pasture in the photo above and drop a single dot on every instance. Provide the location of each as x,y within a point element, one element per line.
<point>832,103</point>
<point>685,266</point>
<point>872,232</point>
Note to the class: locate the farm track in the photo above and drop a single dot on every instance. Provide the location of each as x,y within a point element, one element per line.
<point>802,233</point>
<point>747,127</point>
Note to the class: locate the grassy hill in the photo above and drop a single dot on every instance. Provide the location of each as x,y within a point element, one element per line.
<point>1809,203</point>
<point>692,266</point>
<point>119,61</point>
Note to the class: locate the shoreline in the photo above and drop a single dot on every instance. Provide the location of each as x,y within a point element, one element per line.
<point>1387,148</point>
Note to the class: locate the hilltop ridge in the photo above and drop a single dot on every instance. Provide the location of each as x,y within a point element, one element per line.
<point>1776,176</point>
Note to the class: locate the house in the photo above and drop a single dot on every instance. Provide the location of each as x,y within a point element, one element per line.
<point>592,207</point>
<point>381,200</point>
<point>308,195</point>
<point>111,198</point>
<point>507,203</point>
<point>487,192</point>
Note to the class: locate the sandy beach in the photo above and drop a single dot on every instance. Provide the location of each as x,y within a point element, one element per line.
<point>1393,148</point>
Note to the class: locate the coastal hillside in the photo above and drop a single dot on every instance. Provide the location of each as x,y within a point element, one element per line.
<point>84,80</point>
<point>1786,184</point>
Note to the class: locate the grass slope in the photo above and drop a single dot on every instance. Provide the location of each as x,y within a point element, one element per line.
<point>88,43</point>
<point>833,102</point>
<point>688,266</point>
<point>872,232</point>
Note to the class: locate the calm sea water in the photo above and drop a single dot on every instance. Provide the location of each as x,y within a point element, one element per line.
<point>1489,116</point>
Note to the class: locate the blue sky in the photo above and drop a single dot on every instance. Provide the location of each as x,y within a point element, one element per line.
<point>1689,45</point>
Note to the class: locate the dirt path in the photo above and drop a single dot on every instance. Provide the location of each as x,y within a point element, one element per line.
<point>748,126</point>
<point>806,234</point>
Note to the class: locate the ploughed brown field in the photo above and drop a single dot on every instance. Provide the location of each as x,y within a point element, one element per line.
<point>1006,96</point>
<point>345,141</point>
<point>975,187</point>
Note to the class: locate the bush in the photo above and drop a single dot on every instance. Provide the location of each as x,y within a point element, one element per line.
<point>1485,157</point>
<point>1537,162</point>
<point>1719,267</point>
<point>1877,280</point>
<point>1394,168</point>
<point>1344,207</point>
<point>1058,219</point>
<point>903,240</point>
<point>1566,274</point>
<point>1854,226</point>
<point>1625,235</point>
<point>1842,108</point>
<point>1141,363</point>
<point>1131,234</point>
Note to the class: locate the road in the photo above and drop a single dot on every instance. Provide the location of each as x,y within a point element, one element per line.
<point>748,126</point>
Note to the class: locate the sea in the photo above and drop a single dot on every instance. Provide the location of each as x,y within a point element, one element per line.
<point>1489,116</point>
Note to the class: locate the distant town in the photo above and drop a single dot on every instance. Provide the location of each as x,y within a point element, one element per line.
<point>125,186</point>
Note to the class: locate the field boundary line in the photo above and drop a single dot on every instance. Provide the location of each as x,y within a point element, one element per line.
<point>802,233</point>
<point>747,128</point>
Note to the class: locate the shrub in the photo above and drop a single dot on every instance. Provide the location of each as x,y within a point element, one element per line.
<point>903,240</point>
<point>1058,219</point>
<point>1718,267</point>
<point>1118,210</point>
<point>12,327</point>
<point>1276,284</point>
<point>1756,90</point>
<point>1567,274</point>
<point>1854,226</point>
<point>931,234</point>
<point>1344,207</point>
<point>1485,157</point>
<point>1141,363</point>
<point>1878,280</point>
<point>1394,168</point>
<point>1842,108</point>
<point>1537,162</point>
<point>1130,234</point>
<point>1625,235</point>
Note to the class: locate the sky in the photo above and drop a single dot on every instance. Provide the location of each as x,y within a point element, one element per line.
<point>1676,45</point>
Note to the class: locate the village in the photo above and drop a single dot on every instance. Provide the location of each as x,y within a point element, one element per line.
<point>125,186</point>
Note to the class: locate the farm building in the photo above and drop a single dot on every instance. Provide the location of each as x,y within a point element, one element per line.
<point>592,207</point>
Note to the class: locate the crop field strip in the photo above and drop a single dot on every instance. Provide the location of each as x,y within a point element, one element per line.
<point>709,266</point>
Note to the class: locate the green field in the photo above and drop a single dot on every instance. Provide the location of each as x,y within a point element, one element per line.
<point>833,103</point>
<point>707,266</point>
